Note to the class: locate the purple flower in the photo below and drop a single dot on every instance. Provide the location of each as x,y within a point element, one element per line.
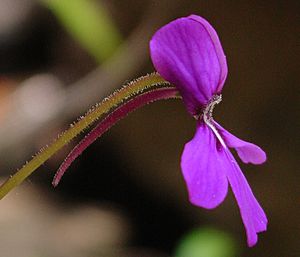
<point>187,53</point>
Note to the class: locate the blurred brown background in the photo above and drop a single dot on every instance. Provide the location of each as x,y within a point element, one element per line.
<point>126,191</point>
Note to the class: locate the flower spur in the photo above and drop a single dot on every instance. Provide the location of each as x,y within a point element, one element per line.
<point>187,53</point>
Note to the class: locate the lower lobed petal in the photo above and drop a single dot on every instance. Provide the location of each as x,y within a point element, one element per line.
<point>208,166</point>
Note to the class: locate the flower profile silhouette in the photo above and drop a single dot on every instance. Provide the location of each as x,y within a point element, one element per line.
<point>187,53</point>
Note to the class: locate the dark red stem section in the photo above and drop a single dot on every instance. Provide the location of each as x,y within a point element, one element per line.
<point>110,120</point>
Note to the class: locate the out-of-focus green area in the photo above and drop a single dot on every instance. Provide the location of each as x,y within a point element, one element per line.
<point>207,242</point>
<point>89,23</point>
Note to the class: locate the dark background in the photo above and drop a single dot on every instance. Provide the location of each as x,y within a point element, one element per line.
<point>134,170</point>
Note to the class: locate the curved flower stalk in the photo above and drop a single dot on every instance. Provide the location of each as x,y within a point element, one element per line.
<point>187,53</point>
<point>111,119</point>
<point>148,88</point>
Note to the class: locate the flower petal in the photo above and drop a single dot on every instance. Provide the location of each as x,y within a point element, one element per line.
<point>248,152</point>
<point>253,216</point>
<point>204,166</point>
<point>187,52</point>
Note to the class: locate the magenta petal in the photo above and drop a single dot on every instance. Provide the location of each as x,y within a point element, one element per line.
<point>188,53</point>
<point>253,216</point>
<point>248,152</point>
<point>204,166</point>
<point>218,48</point>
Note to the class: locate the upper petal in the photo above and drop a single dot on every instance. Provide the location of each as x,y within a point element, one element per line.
<point>187,52</point>
<point>253,216</point>
<point>248,152</point>
<point>204,165</point>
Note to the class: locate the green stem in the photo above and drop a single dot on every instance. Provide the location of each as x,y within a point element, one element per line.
<point>108,104</point>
